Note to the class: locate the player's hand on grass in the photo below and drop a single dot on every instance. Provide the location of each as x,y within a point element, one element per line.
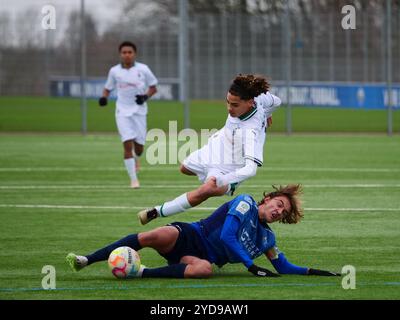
<point>141,98</point>
<point>317,272</point>
<point>103,101</point>
<point>261,272</point>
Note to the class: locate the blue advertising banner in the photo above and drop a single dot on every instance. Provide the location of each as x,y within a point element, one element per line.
<point>329,94</point>
<point>71,87</point>
<point>354,95</point>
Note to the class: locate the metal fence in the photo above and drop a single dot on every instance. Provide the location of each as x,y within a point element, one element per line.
<point>220,46</point>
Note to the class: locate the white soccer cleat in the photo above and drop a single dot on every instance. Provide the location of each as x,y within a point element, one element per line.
<point>135,184</point>
<point>139,274</point>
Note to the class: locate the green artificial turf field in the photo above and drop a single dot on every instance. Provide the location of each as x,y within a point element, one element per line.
<point>42,114</point>
<point>62,193</point>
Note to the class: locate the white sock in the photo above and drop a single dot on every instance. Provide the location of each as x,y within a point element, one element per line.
<point>139,274</point>
<point>130,167</point>
<point>175,206</point>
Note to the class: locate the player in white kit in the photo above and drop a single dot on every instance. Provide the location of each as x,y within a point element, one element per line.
<point>135,83</point>
<point>233,153</point>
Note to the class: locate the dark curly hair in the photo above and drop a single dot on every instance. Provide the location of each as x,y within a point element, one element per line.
<point>292,192</point>
<point>127,44</point>
<point>248,86</point>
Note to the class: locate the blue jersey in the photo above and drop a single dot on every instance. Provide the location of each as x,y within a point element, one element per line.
<point>252,238</point>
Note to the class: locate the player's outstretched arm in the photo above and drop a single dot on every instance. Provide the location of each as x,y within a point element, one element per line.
<point>238,175</point>
<point>229,238</point>
<point>283,266</point>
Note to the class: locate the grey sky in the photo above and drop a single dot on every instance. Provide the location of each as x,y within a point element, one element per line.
<point>103,11</point>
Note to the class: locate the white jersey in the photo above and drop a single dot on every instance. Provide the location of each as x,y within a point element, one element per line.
<point>243,137</point>
<point>129,83</point>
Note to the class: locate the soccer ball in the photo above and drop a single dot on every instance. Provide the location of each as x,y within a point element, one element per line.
<point>124,262</point>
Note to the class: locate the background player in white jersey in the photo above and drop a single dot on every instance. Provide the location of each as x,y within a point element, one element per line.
<point>232,154</point>
<point>135,83</point>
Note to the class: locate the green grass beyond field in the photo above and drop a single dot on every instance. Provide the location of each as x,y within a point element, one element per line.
<point>63,193</point>
<point>41,114</point>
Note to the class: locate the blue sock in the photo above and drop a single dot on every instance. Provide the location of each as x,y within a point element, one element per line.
<point>171,271</point>
<point>103,254</point>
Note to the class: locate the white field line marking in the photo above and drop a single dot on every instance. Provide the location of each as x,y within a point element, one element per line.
<point>176,168</point>
<point>196,286</point>
<point>182,186</point>
<point>49,206</point>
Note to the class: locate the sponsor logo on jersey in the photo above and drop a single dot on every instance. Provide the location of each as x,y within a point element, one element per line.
<point>243,207</point>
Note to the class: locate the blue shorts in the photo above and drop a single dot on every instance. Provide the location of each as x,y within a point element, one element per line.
<point>187,244</point>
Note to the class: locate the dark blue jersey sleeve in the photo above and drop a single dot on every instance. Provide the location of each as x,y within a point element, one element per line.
<point>229,238</point>
<point>282,265</point>
<point>240,206</point>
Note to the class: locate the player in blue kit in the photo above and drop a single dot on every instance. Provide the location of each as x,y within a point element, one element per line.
<point>236,232</point>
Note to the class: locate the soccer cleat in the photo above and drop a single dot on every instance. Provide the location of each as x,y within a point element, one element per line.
<point>76,262</point>
<point>135,184</point>
<point>146,215</point>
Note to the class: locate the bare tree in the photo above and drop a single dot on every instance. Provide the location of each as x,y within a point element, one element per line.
<point>28,32</point>
<point>72,41</point>
<point>6,35</point>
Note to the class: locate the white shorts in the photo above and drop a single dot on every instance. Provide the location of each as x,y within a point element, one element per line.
<point>197,162</point>
<point>132,127</point>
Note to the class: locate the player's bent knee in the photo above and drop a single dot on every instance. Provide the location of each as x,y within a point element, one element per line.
<point>148,238</point>
<point>139,150</point>
<point>158,236</point>
<point>161,239</point>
